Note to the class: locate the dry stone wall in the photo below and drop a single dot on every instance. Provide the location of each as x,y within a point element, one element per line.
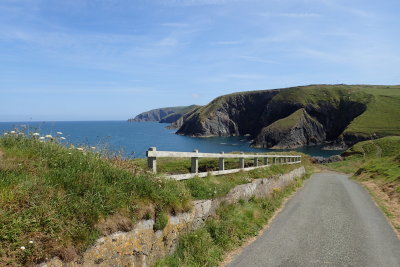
<point>142,246</point>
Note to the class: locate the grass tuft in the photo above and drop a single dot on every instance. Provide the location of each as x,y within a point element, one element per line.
<point>232,226</point>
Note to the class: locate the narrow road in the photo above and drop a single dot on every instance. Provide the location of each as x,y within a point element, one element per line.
<point>331,221</point>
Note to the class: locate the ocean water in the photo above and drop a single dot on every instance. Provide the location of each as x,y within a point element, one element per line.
<point>132,139</point>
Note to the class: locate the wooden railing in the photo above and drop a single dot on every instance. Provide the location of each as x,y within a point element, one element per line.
<point>268,160</point>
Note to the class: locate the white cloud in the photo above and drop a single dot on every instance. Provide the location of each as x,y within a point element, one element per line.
<point>321,55</point>
<point>245,76</point>
<point>168,41</point>
<point>199,2</point>
<point>292,15</point>
<point>175,25</point>
<point>55,90</point>
<point>227,42</point>
<point>194,95</point>
<point>257,59</point>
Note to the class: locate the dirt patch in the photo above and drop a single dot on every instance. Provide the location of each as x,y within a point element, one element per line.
<point>114,223</point>
<point>388,199</point>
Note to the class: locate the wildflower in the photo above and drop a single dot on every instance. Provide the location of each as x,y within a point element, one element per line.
<point>35,134</point>
<point>22,248</point>
<point>60,133</point>
<point>5,133</point>
<point>62,138</point>
<point>41,138</point>
<point>69,153</point>
<point>49,136</point>
<point>93,147</point>
<point>80,148</point>
<point>30,242</point>
<point>12,132</point>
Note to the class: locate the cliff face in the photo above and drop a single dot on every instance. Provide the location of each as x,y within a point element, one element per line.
<point>153,115</point>
<point>236,114</point>
<point>163,115</point>
<point>296,130</point>
<point>332,115</point>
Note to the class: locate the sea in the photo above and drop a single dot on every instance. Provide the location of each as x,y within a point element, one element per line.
<point>133,139</point>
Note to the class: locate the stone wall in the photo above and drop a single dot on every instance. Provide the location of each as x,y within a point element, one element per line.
<point>142,246</point>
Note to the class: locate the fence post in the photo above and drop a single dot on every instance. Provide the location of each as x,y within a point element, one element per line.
<point>241,161</point>
<point>265,161</point>
<point>256,161</point>
<point>195,163</point>
<point>222,163</point>
<point>152,161</point>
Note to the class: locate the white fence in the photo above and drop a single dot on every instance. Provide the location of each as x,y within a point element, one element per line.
<point>268,160</point>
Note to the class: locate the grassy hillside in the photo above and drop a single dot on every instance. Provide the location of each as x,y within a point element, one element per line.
<point>368,156</point>
<point>167,114</point>
<point>218,102</point>
<point>61,199</point>
<point>376,164</point>
<point>179,112</point>
<point>383,104</point>
<point>290,121</point>
<point>56,201</point>
<point>378,108</point>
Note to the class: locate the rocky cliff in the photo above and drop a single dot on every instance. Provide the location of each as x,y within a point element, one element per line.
<point>333,115</point>
<point>236,114</point>
<point>163,115</point>
<point>296,130</point>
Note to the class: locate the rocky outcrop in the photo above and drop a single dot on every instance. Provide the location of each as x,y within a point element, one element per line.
<point>322,160</point>
<point>153,115</point>
<point>163,115</point>
<point>329,114</point>
<point>231,115</point>
<point>143,246</point>
<point>297,130</point>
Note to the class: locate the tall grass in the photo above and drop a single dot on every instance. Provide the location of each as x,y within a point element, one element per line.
<point>232,226</point>
<point>56,201</point>
<point>56,196</point>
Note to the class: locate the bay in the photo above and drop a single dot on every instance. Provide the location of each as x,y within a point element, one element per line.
<point>132,139</point>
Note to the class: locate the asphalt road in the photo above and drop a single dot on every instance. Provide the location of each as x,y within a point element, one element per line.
<point>331,221</point>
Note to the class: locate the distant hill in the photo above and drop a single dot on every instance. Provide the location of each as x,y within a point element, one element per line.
<point>163,115</point>
<point>336,116</point>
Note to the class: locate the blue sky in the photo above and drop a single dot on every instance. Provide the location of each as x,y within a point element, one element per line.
<point>111,59</point>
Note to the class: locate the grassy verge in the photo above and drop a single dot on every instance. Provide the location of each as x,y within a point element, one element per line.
<point>376,165</point>
<point>232,226</point>
<point>56,201</point>
<point>183,165</point>
<point>216,186</point>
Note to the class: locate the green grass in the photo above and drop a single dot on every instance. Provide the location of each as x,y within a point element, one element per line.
<point>290,121</point>
<point>181,111</point>
<point>380,117</point>
<point>232,226</point>
<point>215,186</point>
<point>63,199</point>
<point>377,159</point>
<point>56,196</point>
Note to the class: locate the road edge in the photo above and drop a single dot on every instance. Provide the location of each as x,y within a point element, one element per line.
<point>228,257</point>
